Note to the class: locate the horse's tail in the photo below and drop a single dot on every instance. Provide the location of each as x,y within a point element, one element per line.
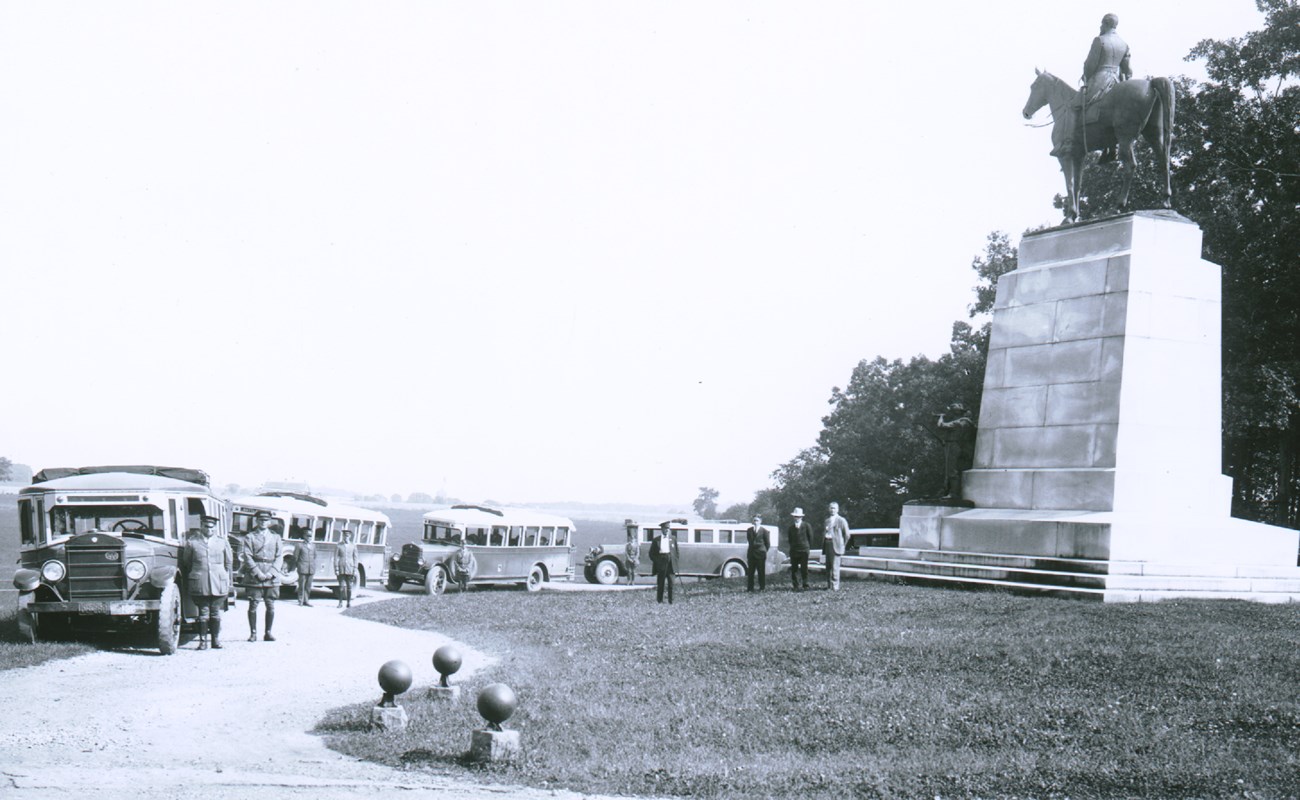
<point>1165,88</point>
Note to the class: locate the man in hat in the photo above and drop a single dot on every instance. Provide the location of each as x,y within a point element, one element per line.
<point>756,555</point>
<point>834,543</point>
<point>345,568</point>
<point>304,558</point>
<point>262,554</point>
<point>663,558</point>
<point>205,563</point>
<point>631,551</point>
<point>799,535</point>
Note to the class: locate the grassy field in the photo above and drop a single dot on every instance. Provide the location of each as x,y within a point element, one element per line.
<point>881,690</point>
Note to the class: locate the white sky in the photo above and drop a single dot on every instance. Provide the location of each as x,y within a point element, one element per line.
<point>593,251</point>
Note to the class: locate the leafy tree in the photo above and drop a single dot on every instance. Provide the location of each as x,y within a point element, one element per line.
<point>395,498</point>
<point>738,511</point>
<point>6,468</point>
<point>706,505</point>
<point>878,448</point>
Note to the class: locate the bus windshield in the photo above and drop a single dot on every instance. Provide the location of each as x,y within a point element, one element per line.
<point>141,519</point>
<point>438,532</point>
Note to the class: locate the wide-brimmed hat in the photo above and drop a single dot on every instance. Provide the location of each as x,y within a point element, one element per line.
<point>798,512</point>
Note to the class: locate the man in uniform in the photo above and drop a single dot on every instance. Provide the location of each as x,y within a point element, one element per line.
<point>799,534</point>
<point>834,542</point>
<point>262,553</point>
<point>756,555</point>
<point>465,565</point>
<point>205,564</point>
<point>304,557</point>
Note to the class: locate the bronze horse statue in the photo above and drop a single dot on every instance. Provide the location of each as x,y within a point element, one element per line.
<point>1131,108</point>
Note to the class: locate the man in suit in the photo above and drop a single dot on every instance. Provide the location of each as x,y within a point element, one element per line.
<point>663,556</point>
<point>205,562</point>
<point>799,534</point>
<point>834,543</point>
<point>756,555</point>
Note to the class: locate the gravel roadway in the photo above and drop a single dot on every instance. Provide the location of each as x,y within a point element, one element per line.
<point>220,723</point>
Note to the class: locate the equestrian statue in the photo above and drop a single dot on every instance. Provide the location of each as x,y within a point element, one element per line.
<point>1108,115</point>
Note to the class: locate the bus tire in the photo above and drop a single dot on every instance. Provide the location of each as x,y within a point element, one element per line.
<point>169,619</point>
<point>733,569</point>
<point>361,577</point>
<point>536,577</point>
<point>606,572</point>
<point>435,580</point>
<point>394,584</point>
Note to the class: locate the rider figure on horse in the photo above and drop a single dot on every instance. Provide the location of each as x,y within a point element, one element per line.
<point>1106,65</point>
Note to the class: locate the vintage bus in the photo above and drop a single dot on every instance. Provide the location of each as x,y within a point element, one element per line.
<point>295,516</point>
<point>510,545</point>
<point>707,549</point>
<point>99,548</point>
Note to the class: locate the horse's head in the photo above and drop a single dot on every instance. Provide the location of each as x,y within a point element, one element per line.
<point>1038,92</point>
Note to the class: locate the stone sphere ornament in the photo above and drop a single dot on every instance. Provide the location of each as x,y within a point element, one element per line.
<point>395,677</point>
<point>496,702</point>
<point>447,661</point>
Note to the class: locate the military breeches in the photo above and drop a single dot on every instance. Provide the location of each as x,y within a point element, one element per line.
<point>258,594</point>
<point>210,605</point>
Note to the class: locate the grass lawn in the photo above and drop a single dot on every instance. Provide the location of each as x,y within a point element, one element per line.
<point>881,690</point>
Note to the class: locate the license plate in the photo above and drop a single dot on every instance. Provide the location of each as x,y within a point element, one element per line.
<point>92,608</point>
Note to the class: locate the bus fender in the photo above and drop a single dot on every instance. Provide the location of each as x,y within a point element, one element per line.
<point>26,580</point>
<point>159,577</point>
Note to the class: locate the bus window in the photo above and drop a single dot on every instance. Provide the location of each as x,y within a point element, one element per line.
<point>516,535</point>
<point>548,533</point>
<point>477,536</point>
<point>381,532</point>
<point>300,528</point>
<point>171,511</point>
<point>367,530</point>
<point>42,533</point>
<point>194,511</point>
<point>683,535</point>
<point>498,536</point>
<point>530,536</point>
<point>26,522</point>
<point>561,537</point>
<point>704,536</point>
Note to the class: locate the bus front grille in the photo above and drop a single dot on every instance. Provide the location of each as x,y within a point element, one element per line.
<point>95,573</point>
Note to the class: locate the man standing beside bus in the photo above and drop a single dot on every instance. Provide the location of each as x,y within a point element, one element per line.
<point>663,558</point>
<point>834,543</point>
<point>631,551</point>
<point>262,553</point>
<point>756,555</point>
<point>205,563</point>
<point>305,561</point>
<point>799,534</point>
<point>345,568</point>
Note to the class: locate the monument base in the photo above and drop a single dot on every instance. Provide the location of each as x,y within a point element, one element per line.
<point>389,718</point>
<point>489,745</point>
<point>449,694</point>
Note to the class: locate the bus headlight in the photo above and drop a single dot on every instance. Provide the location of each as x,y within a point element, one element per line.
<point>135,570</point>
<point>53,571</point>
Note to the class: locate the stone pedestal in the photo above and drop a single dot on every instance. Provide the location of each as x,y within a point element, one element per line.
<point>922,523</point>
<point>490,745</point>
<point>447,694</point>
<point>389,718</point>
<point>1100,427</point>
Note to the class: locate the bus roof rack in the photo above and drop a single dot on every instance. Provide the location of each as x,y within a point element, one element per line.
<point>296,496</point>
<point>176,473</point>
<point>480,508</point>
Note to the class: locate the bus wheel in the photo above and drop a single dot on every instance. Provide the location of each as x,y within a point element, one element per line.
<point>606,572</point>
<point>169,620</point>
<point>361,577</point>
<point>733,569</point>
<point>435,580</point>
<point>536,577</point>
<point>394,584</point>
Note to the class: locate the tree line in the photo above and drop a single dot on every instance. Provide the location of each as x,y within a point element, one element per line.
<point>1237,175</point>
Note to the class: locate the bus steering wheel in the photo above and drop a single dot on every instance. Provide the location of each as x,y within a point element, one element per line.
<point>129,525</point>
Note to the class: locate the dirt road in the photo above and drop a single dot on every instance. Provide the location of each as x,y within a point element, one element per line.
<point>217,724</point>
